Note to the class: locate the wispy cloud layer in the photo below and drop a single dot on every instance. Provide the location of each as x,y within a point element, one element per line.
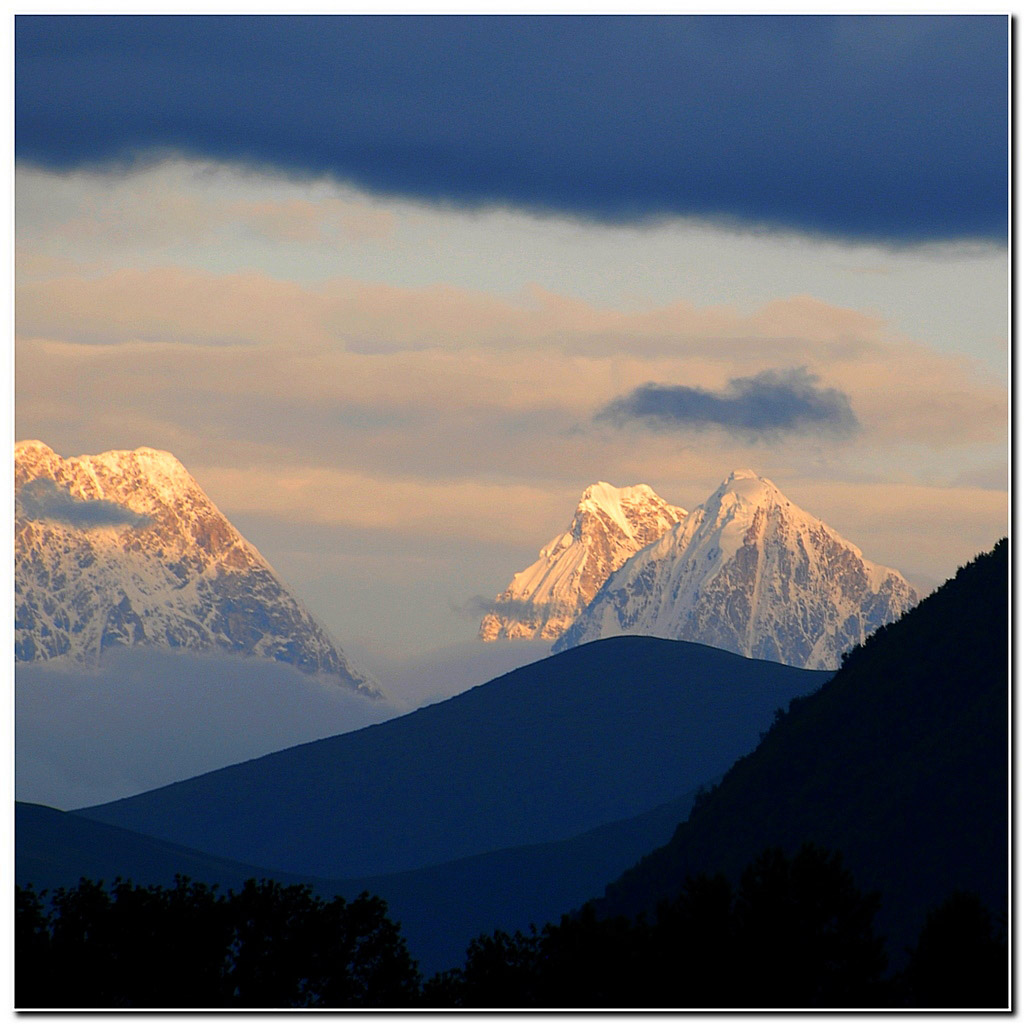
<point>882,127</point>
<point>43,499</point>
<point>769,403</point>
<point>519,611</point>
<point>146,718</point>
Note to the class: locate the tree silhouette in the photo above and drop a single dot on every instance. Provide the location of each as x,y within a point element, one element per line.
<point>189,947</point>
<point>167,944</point>
<point>358,957</point>
<point>589,962</point>
<point>797,932</point>
<point>692,946</point>
<point>500,970</point>
<point>804,933</point>
<point>83,942</point>
<point>31,948</point>
<point>960,961</point>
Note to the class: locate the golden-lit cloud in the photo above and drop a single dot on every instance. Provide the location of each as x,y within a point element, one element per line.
<point>447,352</point>
<point>479,511</point>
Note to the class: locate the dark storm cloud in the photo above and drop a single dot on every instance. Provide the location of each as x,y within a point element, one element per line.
<point>770,402</point>
<point>892,128</point>
<point>43,499</point>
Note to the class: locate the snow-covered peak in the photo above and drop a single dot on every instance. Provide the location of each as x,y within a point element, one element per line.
<point>125,548</point>
<point>617,502</point>
<point>142,476</point>
<point>148,482</point>
<point>731,509</point>
<point>157,471</point>
<point>22,448</point>
<point>746,487</point>
<point>749,571</point>
<point>604,492</point>
<point>31,459</point>
<point>153,462</point>
<point>610,524</point>
<point>153,459</point>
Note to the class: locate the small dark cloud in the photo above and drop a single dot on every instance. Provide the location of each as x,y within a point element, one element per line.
<point>43,499</point>
<point>770,402</point>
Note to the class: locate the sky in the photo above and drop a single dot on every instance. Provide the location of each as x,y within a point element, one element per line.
<point>396,290</point>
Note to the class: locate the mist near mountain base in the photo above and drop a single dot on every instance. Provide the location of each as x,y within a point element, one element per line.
<point>147,718</point>
<point>438,674</point>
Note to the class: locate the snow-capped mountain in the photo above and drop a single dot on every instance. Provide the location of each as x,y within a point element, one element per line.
<point>124,548</point>
<point>750,572</point>
<point>610,524</point>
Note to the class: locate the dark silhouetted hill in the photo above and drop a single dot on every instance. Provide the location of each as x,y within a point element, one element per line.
<point>440,908</point>
<point>900,762</point>
<point>444,906</point>
<point>592,736</point>
<point>56,848</point>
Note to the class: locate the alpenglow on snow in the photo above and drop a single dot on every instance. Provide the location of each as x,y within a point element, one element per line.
<point>750,572</point>
<point>610,524</point>
<point>125,549</point>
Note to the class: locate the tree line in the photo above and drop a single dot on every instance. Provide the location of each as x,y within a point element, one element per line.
<point>188,946</point>
<point>794,932</point>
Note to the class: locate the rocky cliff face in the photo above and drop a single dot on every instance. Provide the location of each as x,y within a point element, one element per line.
<point>124,548</point>
<point>610,524</point>
<point>750,572</point>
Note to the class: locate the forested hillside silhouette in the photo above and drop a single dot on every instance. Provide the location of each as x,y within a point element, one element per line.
<point>441,907</point>
<point>188,946</point>
<point>794,933</point>
<point>900,761</point>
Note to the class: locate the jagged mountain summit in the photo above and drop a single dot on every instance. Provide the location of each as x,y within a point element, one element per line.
<point>750,572</point>
<point>610,525</point>
<point>125,549</point>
